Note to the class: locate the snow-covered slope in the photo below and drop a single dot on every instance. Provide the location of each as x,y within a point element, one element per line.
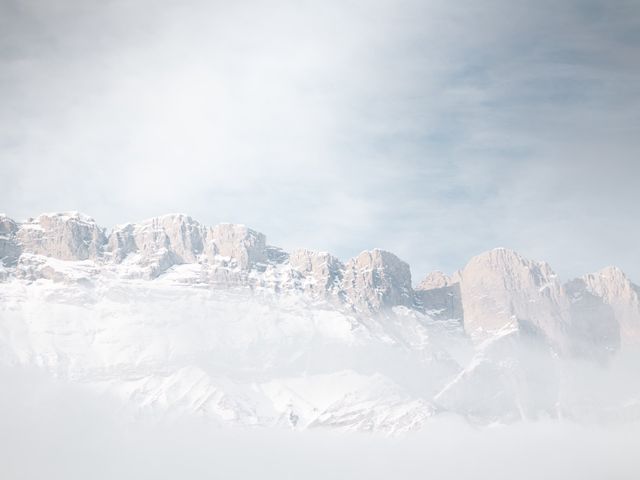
<point>172,317</point>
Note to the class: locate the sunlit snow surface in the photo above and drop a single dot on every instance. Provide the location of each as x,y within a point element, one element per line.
<point>174,347</point>
<point>108,376</point>
<point>171,347</point>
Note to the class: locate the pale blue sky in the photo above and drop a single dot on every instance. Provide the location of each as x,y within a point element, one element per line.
<point>433,129</point>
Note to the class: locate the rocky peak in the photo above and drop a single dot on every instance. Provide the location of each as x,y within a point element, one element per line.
<point>237,242</point>
<point>616,290</point>
<point>160,241</point>
<point>516,270</point>
<point>8,226</point>
<point>377,279</point>
<point>610,283</point>
<point>322,272</point>
<point>501,289</point>
<point>9,249</point>
<point>66,236</point>
<point>438,295</point>
<point>593,328</point>
<point>435,280</point>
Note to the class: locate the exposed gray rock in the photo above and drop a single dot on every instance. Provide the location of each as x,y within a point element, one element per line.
<point>321,271</point>
<point>501,290</point>
<point>616,290</point>
<point>276,255</point>
<point>178,234</point>
<point>9,248</point>
<point>441,303</point>
<point>160,242</point>
<point>237,242</point>
<point>498,291</point>
<point>435,280</point>
<point>593,330</point>
<point>377,279</point>
<point>122,242</point>
<point>66,236</point>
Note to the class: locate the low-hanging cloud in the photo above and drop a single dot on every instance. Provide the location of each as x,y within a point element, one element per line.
<point>51,429</point>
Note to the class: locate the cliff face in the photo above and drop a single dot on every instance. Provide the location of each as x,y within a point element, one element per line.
<point>214,321</point>
<point>9,249</point>
<point>322,272</point>
<point>66,236</point>
<point>376,279</point>
<point>499,291</point>
<point>227,255</point>
<point>496,291</point>
<point>616,290</point>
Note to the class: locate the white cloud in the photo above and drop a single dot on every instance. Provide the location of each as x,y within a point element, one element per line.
<point>426,128</point>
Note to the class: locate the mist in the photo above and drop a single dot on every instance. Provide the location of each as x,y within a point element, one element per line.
<point>50,429</point>
<point>408,139</point>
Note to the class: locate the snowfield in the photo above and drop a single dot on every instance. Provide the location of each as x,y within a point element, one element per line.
<point>174,320</point>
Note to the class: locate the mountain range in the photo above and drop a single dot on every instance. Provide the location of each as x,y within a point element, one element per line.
<point>171,317</point>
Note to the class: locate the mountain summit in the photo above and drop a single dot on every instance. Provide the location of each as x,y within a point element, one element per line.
<point>174,316</point>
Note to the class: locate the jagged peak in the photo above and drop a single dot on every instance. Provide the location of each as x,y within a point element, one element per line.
<point>5,218</point>
<point>237,227</point>
<point>610,278</point>
<point>436,279</point>
<point>379,255</point>
<point>612,272</point>
<point>503,257</point>
<point>182,217</point>
<point>71,215</point>
<point>499,254</point>
<point>169,217</point>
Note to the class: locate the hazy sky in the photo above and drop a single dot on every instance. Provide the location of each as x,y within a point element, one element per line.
<point>434,129</point>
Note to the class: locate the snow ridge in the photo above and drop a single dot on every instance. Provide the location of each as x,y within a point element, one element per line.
<point>177,318</point>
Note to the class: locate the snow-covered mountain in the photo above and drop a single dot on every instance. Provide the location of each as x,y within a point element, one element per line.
<point>171,317</point>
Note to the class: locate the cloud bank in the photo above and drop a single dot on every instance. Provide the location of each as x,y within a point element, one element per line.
<point>50,429</point>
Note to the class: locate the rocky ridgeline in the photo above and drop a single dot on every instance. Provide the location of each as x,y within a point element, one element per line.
<point>496,292</point>
<point>230,255</point>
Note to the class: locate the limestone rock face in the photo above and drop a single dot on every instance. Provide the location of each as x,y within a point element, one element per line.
<point>247,247</point>
<point>441,303</point>
<point>321,271</point>
<point>435,280</point>
<point>177,234</point>
<point>497,292</point>
<point>439,296</point>
<point>502,290</point>
<point>9,248</point>
<point>66,236</point>
<point>175,239</point>
<point>616,290</point>
<point>377,279</point>
<point>159,242</point>
<point>593,329</point>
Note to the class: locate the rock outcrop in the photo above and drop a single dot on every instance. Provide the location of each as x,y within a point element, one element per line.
<point>244,246</point>
<point>9,248</point>
<point>377,279</point>
<point>495,293</point>
<point>160,242</point>
<point>593,328</point>
<point>65,236</point>
<point>442,302</point>
<point>616,290</point>
<point>321,272</point>
<point>501,290</point>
